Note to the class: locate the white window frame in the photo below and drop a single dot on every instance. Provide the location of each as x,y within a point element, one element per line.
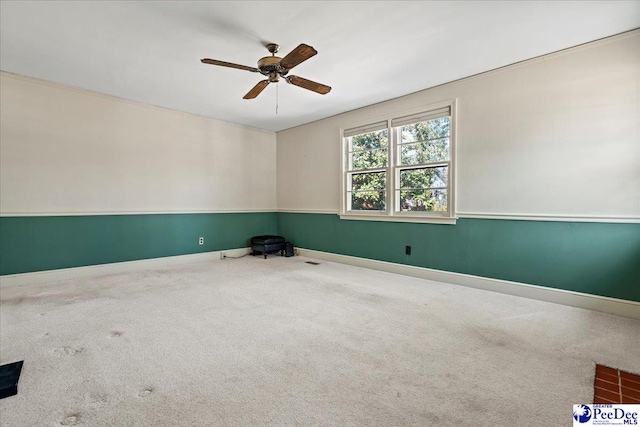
<point>392,212</point>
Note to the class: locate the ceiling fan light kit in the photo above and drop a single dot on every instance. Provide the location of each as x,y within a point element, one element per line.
<point>274,68</point>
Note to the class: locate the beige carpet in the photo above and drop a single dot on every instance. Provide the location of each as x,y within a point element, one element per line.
<point>250,342</point>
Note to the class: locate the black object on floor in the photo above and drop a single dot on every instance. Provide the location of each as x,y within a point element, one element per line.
<point>288,249</point>
<point>267,244</point>
<point>9,376</point>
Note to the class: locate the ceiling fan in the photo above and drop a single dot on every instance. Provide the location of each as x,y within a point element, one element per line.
<point>275,67</point>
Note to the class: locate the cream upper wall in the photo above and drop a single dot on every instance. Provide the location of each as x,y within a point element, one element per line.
<point>558,135</point>
<point>64,150</point>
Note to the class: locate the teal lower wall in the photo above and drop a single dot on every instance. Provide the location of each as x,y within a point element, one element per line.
<point>29,244</point>
<point>594,258</point>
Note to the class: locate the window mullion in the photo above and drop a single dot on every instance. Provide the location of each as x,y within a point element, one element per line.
<point>391,198</point>
<point>354,171</point>
<point>426,140</point>
<point>426,165</point>
<point>368,149</point>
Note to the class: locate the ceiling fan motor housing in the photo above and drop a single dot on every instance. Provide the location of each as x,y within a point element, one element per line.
<point>271,64</point>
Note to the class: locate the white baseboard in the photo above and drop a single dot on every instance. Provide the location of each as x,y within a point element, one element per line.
<point>114,268</point>
<point>558,296</point>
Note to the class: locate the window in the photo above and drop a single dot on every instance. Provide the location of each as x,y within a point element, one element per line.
<point>401,168</point>
<point>368,159</point>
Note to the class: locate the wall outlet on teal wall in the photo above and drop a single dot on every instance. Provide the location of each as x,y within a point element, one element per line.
<point>201,241</point>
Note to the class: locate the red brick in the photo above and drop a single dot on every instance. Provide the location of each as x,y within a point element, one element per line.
<point>598,399</point>
<point>610,383</point>
<point>607,385</point>
<point>609,378</point>
<point>631,385</point>
<point>601,369</point>
<point>609,395</point>
<point>630,378</point>
<point>630,400</point>
<point>629,392</point>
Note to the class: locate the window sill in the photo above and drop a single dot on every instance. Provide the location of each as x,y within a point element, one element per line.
<point>400,218</point>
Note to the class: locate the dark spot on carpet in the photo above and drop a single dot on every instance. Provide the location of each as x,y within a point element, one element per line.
<point>71,420</point>
<point>70,351</point>
<point>12,301</point>
<point>373,298</point>
<point>493,337</point>
<point>115,334</point>
<point>312,263</point>
<point>98,398</point>
<point>146,392</point>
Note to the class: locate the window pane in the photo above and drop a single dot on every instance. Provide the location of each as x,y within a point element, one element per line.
<point>372,159</point>
<point>367,200</point>
<point>438,128</point>
<point>424,177</point>
<point>366,141</point>
<point>425,152</point>
<point>369,181</point>
<point>423,200</point>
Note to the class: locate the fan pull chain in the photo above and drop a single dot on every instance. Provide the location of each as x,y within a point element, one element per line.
<point>277,86</point>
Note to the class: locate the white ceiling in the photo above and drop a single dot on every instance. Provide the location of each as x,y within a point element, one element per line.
<point>369,52</point>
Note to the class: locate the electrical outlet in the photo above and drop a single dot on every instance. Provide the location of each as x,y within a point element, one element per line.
<point>201,241</point>
<point>223,255</point>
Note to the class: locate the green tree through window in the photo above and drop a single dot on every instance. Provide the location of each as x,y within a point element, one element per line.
<point>423,146</point>
<point>369,152</point>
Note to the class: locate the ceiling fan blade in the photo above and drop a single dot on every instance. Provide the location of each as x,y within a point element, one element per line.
<point>255,91</point>
<point>228,64</point>
<point>297,55</point>
<point>309,85</point>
